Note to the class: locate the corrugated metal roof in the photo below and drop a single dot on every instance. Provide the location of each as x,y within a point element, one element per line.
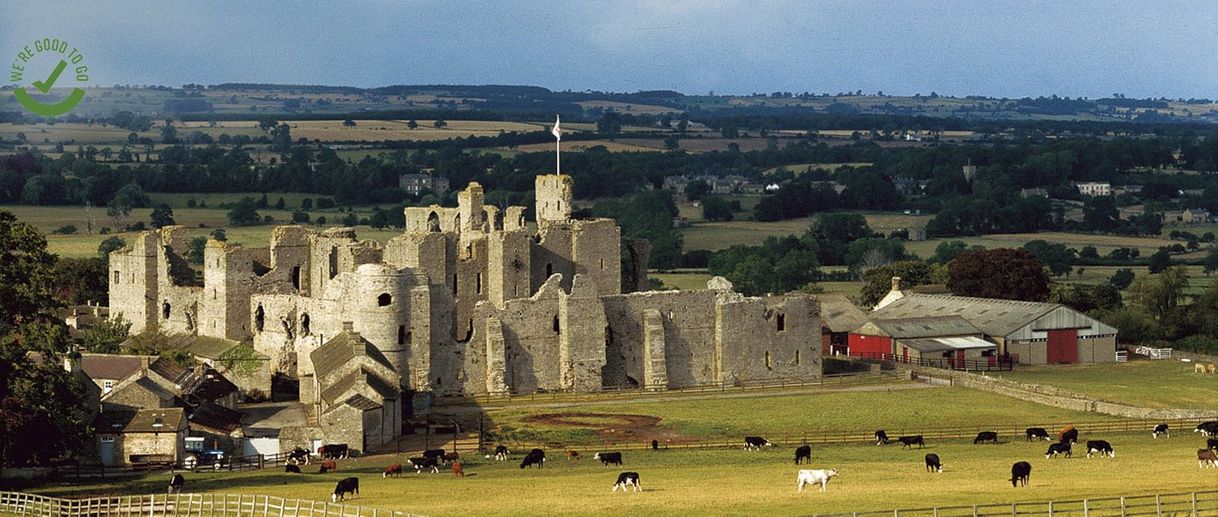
<point>919,327</point>
<point>838,313</point>
<point>947,343</point>
<point>341,349</point>
<point>993,316</point>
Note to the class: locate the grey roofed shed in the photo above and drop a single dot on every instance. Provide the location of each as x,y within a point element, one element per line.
<point>995,317</point>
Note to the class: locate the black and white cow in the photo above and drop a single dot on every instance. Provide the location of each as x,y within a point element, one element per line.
<point>803,452</point>
<point>333,451</point>
<point>501,453</point>
<point>291,469</point>
<point>910,441</point>
<point>175,484</point>
<point>1058,448</point>
<point>986,436</point>
<point>628,479</point>
<point>1101,447</point>
<point>298,455</point>
<point>932,463</point>
<point>608,458</point>
<point>1160,430</point>
<point>421,463</point>
<point>534,457</point>
<point>881,437</point>
<point>1021,472</point>
<point>1207,428</point>
<point>1038,433</point>
<point>755,443</point>
<point>345,486</point>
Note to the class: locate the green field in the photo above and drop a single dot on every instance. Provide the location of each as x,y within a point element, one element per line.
<point>727,482</point>
<point>1145,383</point>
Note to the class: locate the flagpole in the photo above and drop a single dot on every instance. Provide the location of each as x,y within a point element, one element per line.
<point>557,147</point>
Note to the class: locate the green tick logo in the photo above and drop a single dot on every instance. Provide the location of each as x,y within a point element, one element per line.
<point>58,54</point>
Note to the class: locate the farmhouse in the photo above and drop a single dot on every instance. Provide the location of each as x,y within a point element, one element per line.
<point>107,370</point>
<point>142,436</point>
<point>1037,333</point>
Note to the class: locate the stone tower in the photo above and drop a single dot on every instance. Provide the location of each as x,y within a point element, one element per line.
<point>553,198</point>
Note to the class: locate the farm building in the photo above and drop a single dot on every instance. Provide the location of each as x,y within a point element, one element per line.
<point>108,370</point>
<point>1038,333</point>
<point>143,436</point>
<point>951,340</point>
<point>838,317</point>
<point>355,390</point>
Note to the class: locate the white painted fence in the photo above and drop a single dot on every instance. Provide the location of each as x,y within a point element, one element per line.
<point>202,505</point>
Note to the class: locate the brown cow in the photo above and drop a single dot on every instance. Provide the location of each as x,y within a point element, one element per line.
<point>451,457</point>
<point>392,470</point>
<point>572,455</point>
<point>327,466</point>
<point>1206,457</point>
<point>457,470</point>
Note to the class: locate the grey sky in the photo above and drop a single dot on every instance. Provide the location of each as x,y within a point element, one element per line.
<point>952,47</point>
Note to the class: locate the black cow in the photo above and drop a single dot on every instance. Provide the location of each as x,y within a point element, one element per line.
<point>755,443</point>
<point>628,479</point>
<point>910,441</point>
<point>345,486</point>
<point>291,469</point>
<point>1101,447</point>
<point>1021,472</point>
<point>298,456</point>
<point>1037,432</point>
<point>932,463</point>
<point>1160,429</point>
<point>333,451</point>
<point>1207,428</point>
<point>534,457</point>
<point>425,463</point>
<point>608,458</point>
<point>175,484</point>
<point>438,454</point>
<point>1070,436</point>
<point>501,452</point>
<point>881,438</point>
<point>986,436</point>
<point>1212,443</point>
<point>655,445</point>
<point>1058,448</point>
<point>803,452</point>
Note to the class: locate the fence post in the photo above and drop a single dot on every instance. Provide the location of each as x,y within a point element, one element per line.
<point>1086,508</point>
<point>1122,506</point>
<point>1014,512</point>
<point>1194,503</point>
<point>974,510</point>
<point>1158,505</point>
<point>1050,508</point>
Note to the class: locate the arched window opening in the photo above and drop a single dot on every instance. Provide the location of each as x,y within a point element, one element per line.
<point>304,324</point>
<point>782,322</point>
<point>384,299</point>
<point>433,222</point>
<point>549,269</point>
<point>333,262</point>
<point>557,327</point>
<point>165,310</point>
<point>116,277</point>
<point>259,318</point>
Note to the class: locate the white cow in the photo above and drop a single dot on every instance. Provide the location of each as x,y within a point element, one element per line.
<point>812,477</point>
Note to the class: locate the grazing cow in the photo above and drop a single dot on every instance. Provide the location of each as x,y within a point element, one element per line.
<point>608,458</point>
<point>534,457</point>
<point>755,443</point>
<point>1020,473</point>
<point>910,441</point>
<point>501,453</point>
<point>986,436</point>
<point>438,454</point>
<point>451,457</point>
<point>298,456</point>
<point>345,486</point>
<point>1198,368</point>
<point>327,466</point>
<point>457,470</point>
<point>421,464</point>
<point>932,463</point>
<point>1212,443</point>
<point>1210,368</point>
<point>572,455</point>
<point>1160,429</point>
<point>881,438</point>
<point>291,469</point>
<point>812,477</point>
<point>175,484</point>
<point>655,445</point>
<point>1058,448</point>
<point>1068,434</point>
<point>1206,457</point>
<point>1207,428</point>
<point>628,479</point>
<point>392,470</point>
<point>803,452</point>
<point>1101,447</point>
<point>333,451</point>
<point>1037,433</point>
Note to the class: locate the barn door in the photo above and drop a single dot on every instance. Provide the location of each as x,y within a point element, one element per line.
<point>960,359</point>
<point>1062,346</point>
<point>905,354</point>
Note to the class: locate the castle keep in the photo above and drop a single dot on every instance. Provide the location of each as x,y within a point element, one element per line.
<point>467,300</point>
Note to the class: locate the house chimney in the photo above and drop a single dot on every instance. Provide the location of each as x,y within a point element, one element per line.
<point>145,361</point>
<point>348,326</point>
<point>896,283</point>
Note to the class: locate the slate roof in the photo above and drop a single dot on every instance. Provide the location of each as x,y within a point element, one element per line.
<point>838,313</point>
<point>203,346</point>
<point>144,382</point>
<point>342,349</point>
<point>142,421</point>
<point>993,316</point>
<point>923,327</point>
<point>215,416</point>
<point>119,367</point>
<point>206,384</point>
<point>334,392</point>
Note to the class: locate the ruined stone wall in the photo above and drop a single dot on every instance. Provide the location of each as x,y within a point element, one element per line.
<point>507,272</point>
<point>777,337</point>
<point>133,282</point>
<point>552,255</point>
<point>688,337</point>
<point>178,292</point>
<point>469,283</point>
<point>532,329</point>
<point>324,256</point>
<point>554,193</point>
<point>596,251</point>
<point>581,316</point>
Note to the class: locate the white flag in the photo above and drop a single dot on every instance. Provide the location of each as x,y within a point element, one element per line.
<point>557,131</point>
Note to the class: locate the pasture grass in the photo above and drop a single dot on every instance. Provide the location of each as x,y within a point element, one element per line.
<point>1145,383</point>
<point>725,481</point>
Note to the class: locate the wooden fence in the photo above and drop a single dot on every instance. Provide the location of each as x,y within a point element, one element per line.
<point>1006,433</point>
<point>1188,503</point>
<point>202,505</point>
